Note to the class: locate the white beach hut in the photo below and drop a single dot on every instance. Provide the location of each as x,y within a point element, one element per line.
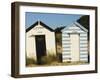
<point>75,43</point>
<point>40,41</point>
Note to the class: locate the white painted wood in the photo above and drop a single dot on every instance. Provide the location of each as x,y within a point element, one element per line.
<point>66,43</point>
<point>84,41</point>
<point>66,46</point>
<point>84,52</point>
<point>83,38</point>
<point>66,53</point>
<point>85,33</point>
<point>74,47</point>
<point>75,27</point>
<point>71,31</point>
<point>84,48</point>
<point>84,59</point>
<point>77,45</point>
<point>65,34</point>
<point>66,56</point>
<point>30,41</point>
<point>83,56</point>
<point>83,45</point>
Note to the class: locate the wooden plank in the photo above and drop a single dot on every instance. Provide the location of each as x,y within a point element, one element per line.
<point>86,55</point>
<point>83,45</point>
<point>83,38</point>
<point>83,59</point>
<point>84,34</point>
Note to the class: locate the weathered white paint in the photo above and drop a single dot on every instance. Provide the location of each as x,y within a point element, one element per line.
<point>31,45</point>
<point>74,43</point>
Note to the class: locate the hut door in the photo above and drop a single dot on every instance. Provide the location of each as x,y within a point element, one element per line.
<point>40,48</point>
<point>74,38</point>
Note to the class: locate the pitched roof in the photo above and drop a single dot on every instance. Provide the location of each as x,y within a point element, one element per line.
<point>78,25</point>
<point>58,29</point>
<point>41,23</point>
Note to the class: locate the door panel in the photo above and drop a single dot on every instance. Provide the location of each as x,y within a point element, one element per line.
<point>40,48</point>
<point>74,38</point>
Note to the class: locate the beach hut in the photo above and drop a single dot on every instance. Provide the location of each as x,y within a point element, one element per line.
<point>75,43</point>
<point>40,41</point>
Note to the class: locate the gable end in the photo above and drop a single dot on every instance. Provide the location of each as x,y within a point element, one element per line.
<point>41,23</point>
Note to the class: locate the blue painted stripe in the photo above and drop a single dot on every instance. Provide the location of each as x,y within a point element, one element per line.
<point>83,50</point>
<point>83,46</point>
<point>83,43</point>
<point>67,58</point>
<point>66,43</point>
<point>83,57</point>
<point>83,40</point>
<point>65,36</point>
<point>65,39</point>
<point>66,47</point>
<point>66,54</point>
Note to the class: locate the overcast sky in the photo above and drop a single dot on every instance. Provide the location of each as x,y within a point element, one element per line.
<point>50,19</point>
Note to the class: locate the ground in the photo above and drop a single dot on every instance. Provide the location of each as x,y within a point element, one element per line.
<point>55,63</point>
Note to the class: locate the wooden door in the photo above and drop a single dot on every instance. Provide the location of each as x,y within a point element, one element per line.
<point>40,48</point>
<point>74,42</point>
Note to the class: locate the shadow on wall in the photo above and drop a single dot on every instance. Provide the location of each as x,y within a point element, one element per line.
<point>59,45</point>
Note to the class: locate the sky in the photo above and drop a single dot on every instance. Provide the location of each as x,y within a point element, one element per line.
<point>51,19</point>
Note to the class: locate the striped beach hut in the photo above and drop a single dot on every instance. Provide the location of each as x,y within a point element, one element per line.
<point>75,43</point>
